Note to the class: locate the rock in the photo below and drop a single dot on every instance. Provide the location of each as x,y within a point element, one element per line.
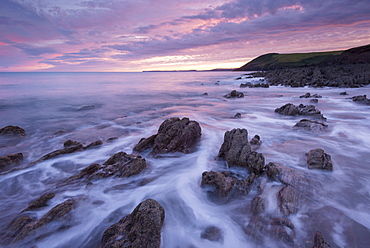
<point>212,233</point>
<point>174,135</point>
<point>255,142</point>
<point>308,95</point>
<point>237,151</point>
<point>286,175</point>
<point>88,171</point>
<point>86,107</point>
<point>205,94</point>
<point>93,144</point>
<point>289,200</point>
<point>14,228</point>
<point>247,84</point>
<point>66,150</point>
<point>57,212</point>
<point>70,143</point>
<point>258,205</point>
<point>305,110</point>
<point>120,164</point>
<point>237,116</point>
<point>310,126</point>
<point>314,100</point>
<point>39,202</point>
<point>234,94</point>
<point>344,93</point>
<point>361,99</point>
<point>318,159</point>
<point>12,131</point>
<point>319,241</point>
<point>11,159</point>
<point>141,228</point>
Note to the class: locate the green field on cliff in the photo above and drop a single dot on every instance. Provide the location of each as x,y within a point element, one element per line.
<point>272,61</point>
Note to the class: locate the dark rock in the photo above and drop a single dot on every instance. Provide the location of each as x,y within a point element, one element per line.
<point>12,131</point>
<point>310,126</point>
<point>305,110</point>
<point>39,202</point>
<point>205,94</point>
<point>319,241</point>
<point>11,159</point>
<point>289,200</point>
<point>281,221</point>
<point>94,144</point>
<point>70,143</point>
<point>237,151</point>
<point>318,159</point>
<point>237,116</point>
<point>314,100</point>
<point>234,94</point>
<point>87,107</point>
<point>91,169</point>
<point>174,135</point>
<point>66,150</point>
<point>288,109</point>
<point>220,182</point>
<point>258,205</point>
<point>14,228</point>
<point>361,99</point>
<point>141,228</point>
<point>112,139</point>
<point>255,142</point>
<point>57,212</point>
<point>212,233</point>
<point>238,78</point>
<point>343,93</point>
<point>308,95</point>
<point>247,84</point>
<point>286,175</point>
<point>120,164</point>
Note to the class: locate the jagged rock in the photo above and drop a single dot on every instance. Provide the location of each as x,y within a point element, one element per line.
<point>11,159</point>
<point>361,99</point>
<point>212,233</point>
<point>344,93</point>
<point>93,144</point>
<point>310,126</point>
<point>318,159</point>
<point>286,175</point>
<point>222,185</point>
<point>141,228</point>
<point>289,200</point>
<point>255,142</point>
<point>305,110</point>
<point>319,241</point>
<point>12,131</point>
<point>39,202</point>
<point>174,135</point>
<point>57,212</point>
<point>237,116</point>
<point>70,143</point>
<point>258,205</point>
<point>237,151</point>
<point>234,94</point>
<point>14,228</point>
<point>66,150</point>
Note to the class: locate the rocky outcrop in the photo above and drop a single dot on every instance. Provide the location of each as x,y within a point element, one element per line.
<point>361,99</point>
<point>57,212</point>
<point>303,110</point>
<point>11,159</point>
<point>310,126</point>
<point>141,228</point>
<point>289,200</point>
<point>174,135</point>
<point>234,94</point>
<point>12,131</point>
<point>237,151</point>
<point>318,159</point>
<point>286,175</point>
<point>14,228</point>
<point>39,202</point>
<point>221,186</point>
<point>254,85</point>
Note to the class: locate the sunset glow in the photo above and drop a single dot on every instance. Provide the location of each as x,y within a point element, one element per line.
<point>123,35</point>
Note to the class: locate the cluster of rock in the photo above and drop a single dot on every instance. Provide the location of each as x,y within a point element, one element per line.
<point>361,99</point>
<point>234,94</point>
<point>256,85</point>
<point>344,76</point>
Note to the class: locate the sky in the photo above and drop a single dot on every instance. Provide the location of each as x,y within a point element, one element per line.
<point>137,35</point>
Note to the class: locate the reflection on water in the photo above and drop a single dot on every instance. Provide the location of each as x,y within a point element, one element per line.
<point>55,107</point>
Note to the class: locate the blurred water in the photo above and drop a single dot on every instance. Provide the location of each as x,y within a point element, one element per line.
<point>55,107</point>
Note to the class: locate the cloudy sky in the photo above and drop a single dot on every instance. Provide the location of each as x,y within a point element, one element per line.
<point>136,35</point>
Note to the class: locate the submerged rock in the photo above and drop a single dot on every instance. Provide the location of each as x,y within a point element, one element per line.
<point>286,175</point>
<point>318,159</point>
<point>141,228</point>
<point>174,135</point>
<point>39,202</point>
<point>234,94</point>
<point>237,151</point>
<point>11,159</point>
<point>12,131</point>
<point>255,142</point>
<point>14,228</point>
<point>310,126</point>
<point>212,233</point>
<point>289,200</point>
<point>361,99</point>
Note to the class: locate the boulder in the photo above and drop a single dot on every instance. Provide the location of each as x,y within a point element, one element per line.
<point>288,109</point>
<point>39,202</point>
<point>286,175</point>
<point>310,126</point>
<point>212,233</point>
<point>237,151</point>
<point>289,200</point>
<point>141,228</point>
<point>361,99</point>
<point>174,135</point>
<point>12,131</point>
<point>305,110</point>
<point>70,143</point>
<point>255,142</point>
<point>234,94</point>
<point>11,159</point>
<point>319,241</point>
<point>237,116</point>
<point>258,205</point>
<point>318,159</point>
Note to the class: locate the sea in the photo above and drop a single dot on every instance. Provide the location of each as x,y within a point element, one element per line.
<point>86,107</point>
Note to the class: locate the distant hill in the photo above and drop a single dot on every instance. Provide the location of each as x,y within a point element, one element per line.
<point>273,61</point>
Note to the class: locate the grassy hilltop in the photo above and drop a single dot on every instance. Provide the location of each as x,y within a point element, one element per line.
<point>273,61</point>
